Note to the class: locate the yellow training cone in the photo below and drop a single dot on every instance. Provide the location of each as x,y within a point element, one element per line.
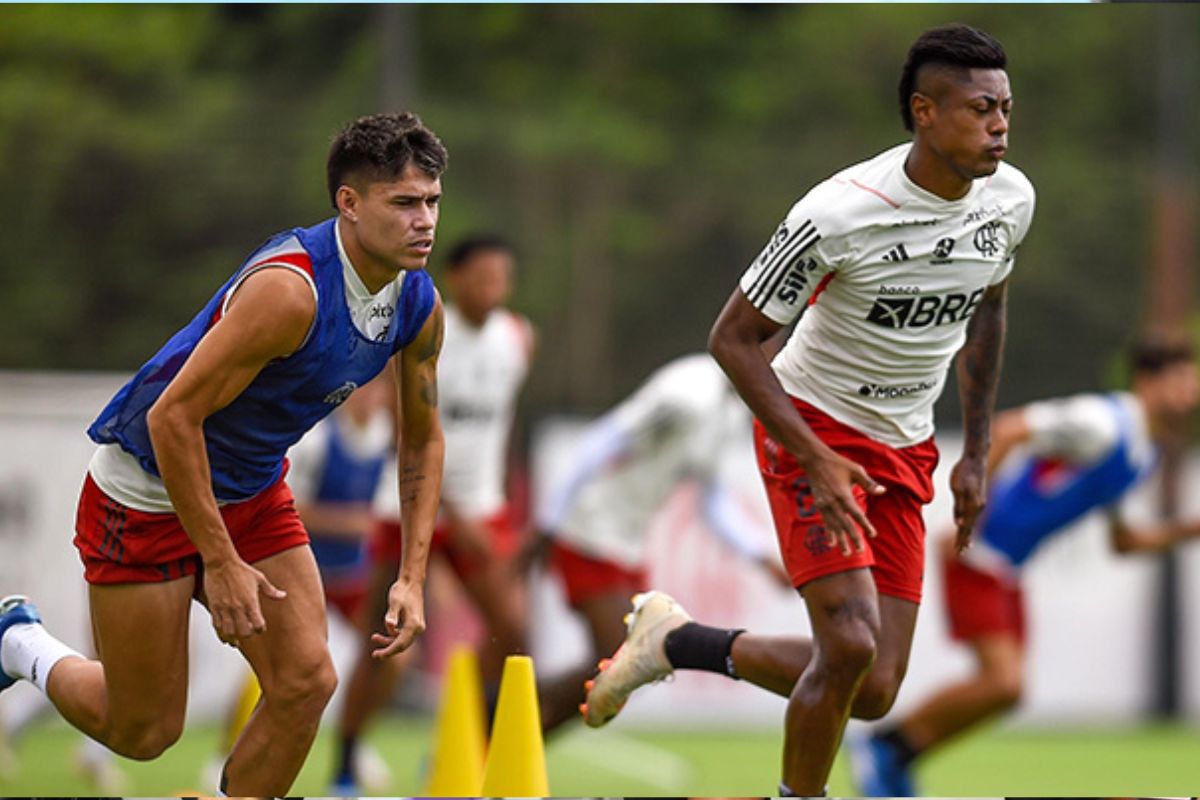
<point>247,701</point>
<point>516,761</point>
<point>457,763</point>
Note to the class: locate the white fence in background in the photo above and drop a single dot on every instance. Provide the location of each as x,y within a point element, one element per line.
<point>1092,613</point>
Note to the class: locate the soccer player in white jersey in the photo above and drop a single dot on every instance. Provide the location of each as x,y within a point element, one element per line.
<point>1051,463</point>
<point>485,358</point>
<point>902,262</point>
<point>596,519</point>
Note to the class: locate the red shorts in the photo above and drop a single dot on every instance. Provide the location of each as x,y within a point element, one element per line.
<point>980,603</point>
<point>348,599</point>
<point>387,543</point>
<point>585,577</point>
<point>897,555</point>
<point>118,544</point>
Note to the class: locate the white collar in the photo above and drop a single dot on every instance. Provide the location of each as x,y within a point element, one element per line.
<point>355,288</point>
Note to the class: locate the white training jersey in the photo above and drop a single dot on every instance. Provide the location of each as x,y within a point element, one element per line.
<point>890,274</point>
<point>121,477</point>
<point>480,373</point>
<point>672,428</point>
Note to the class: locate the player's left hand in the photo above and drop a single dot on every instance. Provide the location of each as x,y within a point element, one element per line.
<point>404,620</point>
<point>968,481</point>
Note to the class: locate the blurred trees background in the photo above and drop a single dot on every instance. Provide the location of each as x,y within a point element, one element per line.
<point>637,155</point>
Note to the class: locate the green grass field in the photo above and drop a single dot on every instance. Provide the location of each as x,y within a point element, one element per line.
<point>1163,760</point>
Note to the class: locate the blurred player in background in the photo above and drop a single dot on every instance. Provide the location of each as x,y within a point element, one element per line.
<point>93,762</point>
<point>1052,462</point>
<point>902,262</point>
<point>595,522</point>
<point>487,354</point>
<point>185,497</point>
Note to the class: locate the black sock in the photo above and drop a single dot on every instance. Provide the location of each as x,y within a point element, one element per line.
<point>905,752</point>
<point>696,646</point>
<point>345,769</point>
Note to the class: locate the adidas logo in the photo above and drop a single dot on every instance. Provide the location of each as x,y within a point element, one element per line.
<point>897,253</point>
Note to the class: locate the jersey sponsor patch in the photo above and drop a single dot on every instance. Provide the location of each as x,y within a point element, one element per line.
<point>781,270</point>
<point>925,310</point>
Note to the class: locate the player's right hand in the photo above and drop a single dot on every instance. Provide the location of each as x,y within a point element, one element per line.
<point>832,479</point>
<point>404,620</point>
<point>232,589</point>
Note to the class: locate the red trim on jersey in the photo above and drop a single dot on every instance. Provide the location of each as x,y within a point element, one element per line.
<point>298,259</point>
<point>812,300</point>
<point>877,193</point>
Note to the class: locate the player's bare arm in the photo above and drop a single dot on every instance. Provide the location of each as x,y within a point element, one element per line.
<point>1126,538</point>
<point>736,343</point>
<point>267,318</point>
<point>1009,429</point>
<point>420,449</point>
<point>978,372</point>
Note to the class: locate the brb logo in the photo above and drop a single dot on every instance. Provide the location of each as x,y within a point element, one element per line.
<point>921,312</point>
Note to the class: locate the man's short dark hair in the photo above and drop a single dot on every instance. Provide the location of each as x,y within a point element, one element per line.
<point>1153,353</point>
<point>468,246</point>
<point>379,147</point>
<point>956,45</point>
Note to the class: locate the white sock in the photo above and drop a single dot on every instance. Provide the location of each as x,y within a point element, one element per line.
<point>93,752</point>
<point>28,651</point>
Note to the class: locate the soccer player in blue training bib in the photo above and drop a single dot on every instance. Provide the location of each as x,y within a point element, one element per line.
<point>185,496</point>
<point>1051,463</point>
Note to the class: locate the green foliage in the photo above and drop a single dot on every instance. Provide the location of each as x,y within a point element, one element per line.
<point>638,155</point>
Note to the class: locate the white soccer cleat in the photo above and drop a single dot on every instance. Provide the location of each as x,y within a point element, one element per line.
<point>97,765</point>
<point>641,659</point>
<point>372,771</point>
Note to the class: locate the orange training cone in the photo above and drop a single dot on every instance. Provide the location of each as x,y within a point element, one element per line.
<point>516,761</point>
<point>456,768</point>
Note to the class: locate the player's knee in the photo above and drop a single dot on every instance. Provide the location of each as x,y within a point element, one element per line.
<point>850,652</point>
<point>1007,687</point>
<point>875,698</point>
<point>143,742</point>
<point>304,689</point>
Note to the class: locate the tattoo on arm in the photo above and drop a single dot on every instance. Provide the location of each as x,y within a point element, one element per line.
<point>979,366</point>
<point>427,358</point>
<point>434,345</point>
<point>429,390</point>
<point>411,479</point>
